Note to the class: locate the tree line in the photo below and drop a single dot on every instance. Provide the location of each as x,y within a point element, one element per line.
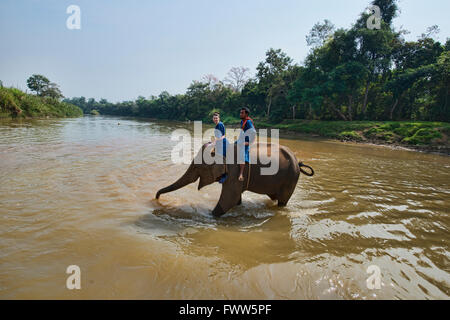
<point>349,74</point>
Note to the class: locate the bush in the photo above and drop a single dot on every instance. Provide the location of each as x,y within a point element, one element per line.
<point>8,103</point>
<point>15,103</point>
<point>373,132</point>
<point>390,126</point>
<point>423,136</point>
<point>230,120</point>
<point>387,136</point>
<point>350,135</point>
<point>406,130</point>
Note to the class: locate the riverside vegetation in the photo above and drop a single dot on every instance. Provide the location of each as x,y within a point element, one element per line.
<point>420,135</point>
<point>355,84</point>
<point>15,103</point>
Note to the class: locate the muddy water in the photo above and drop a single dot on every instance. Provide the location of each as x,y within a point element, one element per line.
<point>81,192</point>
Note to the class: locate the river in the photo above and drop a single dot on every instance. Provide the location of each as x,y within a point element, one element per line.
<point>81,192</point>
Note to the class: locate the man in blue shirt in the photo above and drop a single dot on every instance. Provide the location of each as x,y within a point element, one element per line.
<point>221,140</point>
<point>246,137</point>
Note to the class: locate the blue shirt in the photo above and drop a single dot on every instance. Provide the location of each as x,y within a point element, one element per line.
<point>248,125</point>
<point>219,133</point>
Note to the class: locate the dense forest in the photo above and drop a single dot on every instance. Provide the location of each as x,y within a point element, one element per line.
<point>349,74</point>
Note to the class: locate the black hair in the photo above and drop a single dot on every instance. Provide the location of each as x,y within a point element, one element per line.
<point>247,110</point>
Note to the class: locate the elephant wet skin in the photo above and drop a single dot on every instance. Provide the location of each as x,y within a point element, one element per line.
<point>278,186</point>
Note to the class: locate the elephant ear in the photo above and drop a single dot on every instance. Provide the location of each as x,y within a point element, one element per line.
<point>203,182</point>
<point>217,170</point>
<point>210,174</point>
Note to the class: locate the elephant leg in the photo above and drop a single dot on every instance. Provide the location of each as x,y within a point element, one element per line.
<point>286,193</point>
<point>272,196</point>
<point>284,197</point>
<point>240,200</point>
<point>229,198</point>
<point>282,204</point>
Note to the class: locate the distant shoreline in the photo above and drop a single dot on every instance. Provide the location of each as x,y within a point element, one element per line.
<point>16,104</point>
<point>421,136</point>
<point>440,150</point>
<point>429,137</point>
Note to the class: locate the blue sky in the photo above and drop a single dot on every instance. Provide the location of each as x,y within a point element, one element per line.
<point>127,48</point>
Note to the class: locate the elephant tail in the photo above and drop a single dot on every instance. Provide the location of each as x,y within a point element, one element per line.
<point>309,174</point>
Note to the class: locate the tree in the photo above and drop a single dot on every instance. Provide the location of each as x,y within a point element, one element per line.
<point>52,91</point>
<point>433,30</point>
<point>320,33</point>
<point>43,87</point>
<point>388,8</point>
<point>253,96</point>
<point>211,80</point>
<point>403,81</point>
<point>275,63</point>
<point>418,88</point>
<point>349,74</point>
<point>237,77</point>
<point>411,55</point>
<point>375,47</point>
<point>38,83</point>
<point>345,80</point>
<point>443,86</point>
<point>270,74</point>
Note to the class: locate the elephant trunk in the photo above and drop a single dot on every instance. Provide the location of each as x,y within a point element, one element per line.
<point>189,177</point>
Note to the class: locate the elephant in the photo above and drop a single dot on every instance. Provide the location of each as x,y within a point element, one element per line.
<point>278,186</point>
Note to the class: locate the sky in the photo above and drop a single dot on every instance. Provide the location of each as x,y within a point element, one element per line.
<point>131,48</point>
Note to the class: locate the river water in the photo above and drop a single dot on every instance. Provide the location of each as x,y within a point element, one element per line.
<point>81,192</point>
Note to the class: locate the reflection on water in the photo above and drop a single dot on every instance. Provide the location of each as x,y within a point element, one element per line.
<point>81,191</point>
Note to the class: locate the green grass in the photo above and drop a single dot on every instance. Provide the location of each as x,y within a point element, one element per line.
<point>400,132</point>
<point>423,136</point>
<point>350,135</point>
<point>230,120</point>
<point>17,104</point>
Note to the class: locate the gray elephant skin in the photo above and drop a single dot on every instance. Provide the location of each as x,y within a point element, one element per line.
<point>278,186</point>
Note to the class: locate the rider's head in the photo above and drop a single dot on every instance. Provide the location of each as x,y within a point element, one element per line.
<point>245,112</point>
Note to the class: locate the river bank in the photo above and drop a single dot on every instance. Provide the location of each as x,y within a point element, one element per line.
<point>413,135</point>
<point>15,103</point>
<point>422,136</point>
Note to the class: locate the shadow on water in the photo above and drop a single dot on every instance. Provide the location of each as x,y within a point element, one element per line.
<point>249,235</point>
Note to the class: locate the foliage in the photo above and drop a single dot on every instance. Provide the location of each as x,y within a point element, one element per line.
<point>320,33</point>
<point>350,135</point>
<point>350,74</point>
<point>413,133</point>
<point>15,103</point>
<point>423,136</point>
<point>43,87</point>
